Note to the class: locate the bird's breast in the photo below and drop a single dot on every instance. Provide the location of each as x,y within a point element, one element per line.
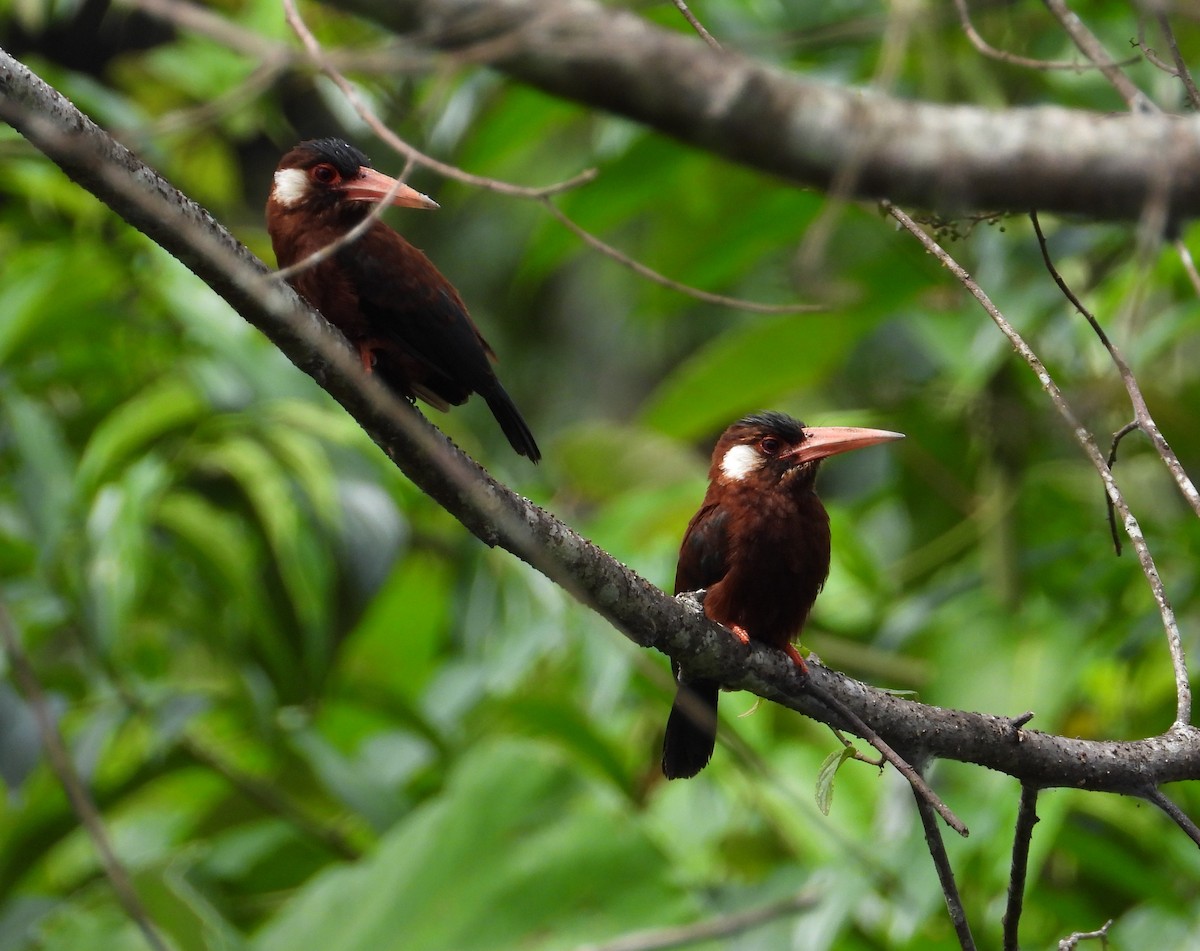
<point>778,559</point>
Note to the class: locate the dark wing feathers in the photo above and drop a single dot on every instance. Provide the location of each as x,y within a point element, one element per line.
<point>425,318</point>
<point>704,553</point>
<point>437,351</point>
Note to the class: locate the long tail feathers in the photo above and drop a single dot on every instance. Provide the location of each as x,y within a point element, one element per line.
<point>691,729</point>
<point>512,423</point>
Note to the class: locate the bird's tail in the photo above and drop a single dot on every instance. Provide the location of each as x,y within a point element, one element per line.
<point>512,422</point>
<point>691,729</point>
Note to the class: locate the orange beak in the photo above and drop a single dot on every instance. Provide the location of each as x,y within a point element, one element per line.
<point>371,185</point>
<point>823,441</point>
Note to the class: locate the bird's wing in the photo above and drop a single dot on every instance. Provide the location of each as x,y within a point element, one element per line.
<point>407,301</point>
<point>704,553</point>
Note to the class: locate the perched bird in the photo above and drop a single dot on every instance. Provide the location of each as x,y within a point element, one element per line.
<point>759,547</point>
<point>405,319</point>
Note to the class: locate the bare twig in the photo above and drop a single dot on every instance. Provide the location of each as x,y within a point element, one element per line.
<point>390,59</point>
<point>982,45</point>
<point>724,926</point>
<point>1069,943</point>
<point>1094,50</point>
<point>941,861</point>
<point>1178,816</point>
<point>319,57</point>
<point>1147,424</point>
<point>1027,818</point>
<point>64,769</point>
<point>921,789</point>
<point>1141,410</point>
<point>1183,693</point>
<point>708,38</point>
<point>1112,461</point>
<point>1181,66</point>
<point>651,275</point>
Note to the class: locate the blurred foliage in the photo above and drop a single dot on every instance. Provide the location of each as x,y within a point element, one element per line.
<point>270,654</point>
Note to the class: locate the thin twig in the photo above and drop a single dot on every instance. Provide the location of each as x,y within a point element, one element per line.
<point>708,38</point>
<point>1094,50</point>
<point>1181,66</point>
<point>651,275</point>
<point>322,61</point>
<point>64,769</point>
<point>921,789</point>
<point>941,862</point>
<point>724,926</point>
<point>1027,818</point>
<point>1112,461</point>
<point>1178,816</point>
<point>1183,694</point>
<point>1069,943</point>
<point>1146,423</point>
<point>982,45</point>
<point>1189,264</point>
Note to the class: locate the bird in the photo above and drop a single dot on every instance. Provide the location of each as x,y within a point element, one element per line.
<point>758,548</point>
<point>406,321</point>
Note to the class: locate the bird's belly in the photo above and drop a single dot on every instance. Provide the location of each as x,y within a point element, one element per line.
<point>774,578</point>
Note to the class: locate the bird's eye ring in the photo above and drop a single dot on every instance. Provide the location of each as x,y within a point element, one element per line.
<point>770,445</point>
<point>325,174</point>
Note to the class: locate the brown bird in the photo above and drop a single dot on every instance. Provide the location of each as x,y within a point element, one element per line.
<point>405,319</point>
<point>759,548</point>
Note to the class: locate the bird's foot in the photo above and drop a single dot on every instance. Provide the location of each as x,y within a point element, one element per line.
<point>740,633</point>
<point>790,650</point>
<point>367,356</point>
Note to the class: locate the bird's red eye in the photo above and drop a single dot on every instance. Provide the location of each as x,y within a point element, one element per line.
<point>325,174</point>
<point>770,445</point>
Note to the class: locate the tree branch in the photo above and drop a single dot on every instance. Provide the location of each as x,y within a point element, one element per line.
<point>1027,818</point>
<point>941,861</point>
<point>498,516</point>
<point>953,158</point>
<point>1183,702</point>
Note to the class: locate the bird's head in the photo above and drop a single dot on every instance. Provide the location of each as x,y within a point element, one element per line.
<point>329,176</point>
<point>766,450</point>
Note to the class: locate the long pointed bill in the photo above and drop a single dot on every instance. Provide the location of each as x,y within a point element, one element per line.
<point>371,185</point>
<point>823,441</point>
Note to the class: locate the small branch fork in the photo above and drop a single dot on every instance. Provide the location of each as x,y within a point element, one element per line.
<point>921,789</point>
<point>1071,942</point>
<point>1027,814</point>
<point>1183,694</point>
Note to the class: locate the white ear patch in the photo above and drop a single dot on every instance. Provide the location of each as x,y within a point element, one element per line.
<point>291,185</point>
<point>740,461</point>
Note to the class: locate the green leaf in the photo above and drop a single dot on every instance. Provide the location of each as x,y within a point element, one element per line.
<point>155,411</point>
<point>829,768</point>
<point>519,852</point>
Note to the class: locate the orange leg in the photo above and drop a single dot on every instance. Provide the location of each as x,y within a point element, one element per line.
<point>790,650</point>
<point>367,356</point>
<point>740,633</point>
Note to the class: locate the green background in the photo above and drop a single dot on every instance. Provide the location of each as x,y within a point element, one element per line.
<point>269,653</point>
